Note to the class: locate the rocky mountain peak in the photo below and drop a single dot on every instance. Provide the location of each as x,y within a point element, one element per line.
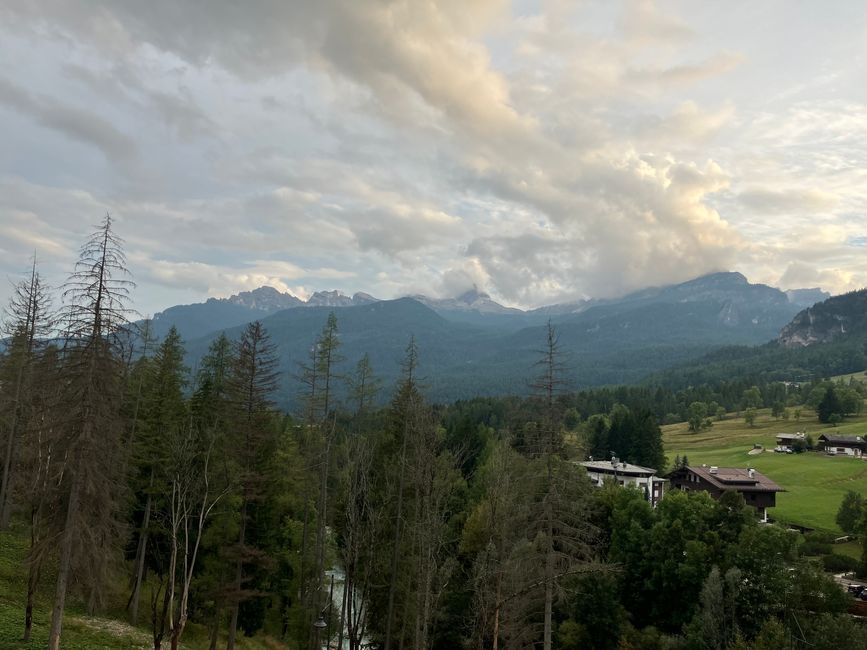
<point>267,299</point>
<point>332,298</point>
<point>473,296</point>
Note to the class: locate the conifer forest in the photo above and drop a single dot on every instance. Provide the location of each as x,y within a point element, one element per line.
<point>364,520</point>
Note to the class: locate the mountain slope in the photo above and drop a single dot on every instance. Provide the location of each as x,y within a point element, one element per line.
<point>826,339</point>
<point>470,345</point>
<point>827,321</point>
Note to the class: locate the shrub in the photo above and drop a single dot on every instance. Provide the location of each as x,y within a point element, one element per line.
<point>820,537</point>
<point>811,547</point>
<point>839,563</point>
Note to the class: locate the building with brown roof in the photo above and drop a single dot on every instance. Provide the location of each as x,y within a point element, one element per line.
<point>758,490</point>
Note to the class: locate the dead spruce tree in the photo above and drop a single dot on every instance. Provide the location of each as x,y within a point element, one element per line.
<point>87,527</point>
<point>26,327</point>
<point>38,462</point>
<point>559,533</point>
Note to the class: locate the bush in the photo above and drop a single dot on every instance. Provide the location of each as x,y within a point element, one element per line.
<point>820,537</point>
<point>839,563</point>
<point>811,547</point>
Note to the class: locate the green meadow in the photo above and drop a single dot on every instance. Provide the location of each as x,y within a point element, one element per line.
<point>815,483</point>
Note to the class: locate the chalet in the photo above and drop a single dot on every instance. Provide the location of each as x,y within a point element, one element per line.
<point>758,490</point>
<point>643,478</point>
<point>786,441</point>
<point>835,444</point>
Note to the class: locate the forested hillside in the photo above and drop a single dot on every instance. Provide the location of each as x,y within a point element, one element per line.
<point>180,496</point>
<point>471,346</point>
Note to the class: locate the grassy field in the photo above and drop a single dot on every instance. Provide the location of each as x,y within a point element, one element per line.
<point>815,483</point>
<point>80,631</point>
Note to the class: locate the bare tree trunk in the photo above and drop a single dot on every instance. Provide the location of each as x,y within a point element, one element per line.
<point>215,629</point>
<point>395,551</point>
<point>496,640</point>
<point>343,611</point>
<point>321,518</point>
<point>65,561</point>
<point>33,571</point>
<point>549,557</point>
<point>140,556</point>
<point>5,484</point>
<point>239,574</point>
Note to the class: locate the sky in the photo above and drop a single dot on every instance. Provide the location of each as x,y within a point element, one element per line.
<point>541,151</point>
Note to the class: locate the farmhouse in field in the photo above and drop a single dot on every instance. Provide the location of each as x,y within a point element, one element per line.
<point>786,441</point>
<point>758,490</point>
<point>841,445</point>
<point>644,478</point>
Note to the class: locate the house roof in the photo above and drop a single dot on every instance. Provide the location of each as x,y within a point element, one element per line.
<point>624,469</point>
<point>734,478</point>
<point>842,440</point>
<point>790,436</point>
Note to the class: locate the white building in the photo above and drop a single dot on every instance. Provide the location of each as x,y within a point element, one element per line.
<point>835,444</point>
<point>786,441</point>
<point>643,478</point>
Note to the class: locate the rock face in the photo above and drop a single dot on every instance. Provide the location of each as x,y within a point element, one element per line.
<point>827,321</point>
<point>807,297</point>
<point>472,300</point>
<point>266,299</point>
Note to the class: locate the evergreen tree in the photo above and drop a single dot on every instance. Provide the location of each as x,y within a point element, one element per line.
<point>404,413</point>
<point>163,414</point>
<point>829,406</point>
<point>850,512</point>
<point>87,525</point>
<point>26,326</point>
<point>251,383</point>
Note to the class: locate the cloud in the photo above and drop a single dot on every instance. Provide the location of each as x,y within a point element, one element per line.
<point>541,152</point>
<point>73,122</point>
<point>781,201</point>
<point>642,21</point>
<point>714,66</point>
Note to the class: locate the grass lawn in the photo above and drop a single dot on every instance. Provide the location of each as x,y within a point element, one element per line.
<point>815,483</point>
<point>80,632</point>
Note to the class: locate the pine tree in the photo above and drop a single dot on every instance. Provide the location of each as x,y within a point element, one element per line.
<point>561,528</point>
<point>404,410</point>
<point>251,383</point>
<point>363,386</point>
<point>95,298</point>
<point>163,413</point>
<point>40,465</point>
<point>210,410</point>
<point>26,326</point>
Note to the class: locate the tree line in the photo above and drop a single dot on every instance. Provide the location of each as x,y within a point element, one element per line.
<point>188,496</point>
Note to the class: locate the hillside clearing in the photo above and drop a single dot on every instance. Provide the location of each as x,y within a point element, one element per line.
<point>815,482</point>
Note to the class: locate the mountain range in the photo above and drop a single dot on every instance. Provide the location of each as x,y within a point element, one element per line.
<point>471,345</point>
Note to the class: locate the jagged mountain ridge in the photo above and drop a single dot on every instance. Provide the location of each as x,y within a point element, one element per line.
<point>741,304</point>
<point>470,345</point>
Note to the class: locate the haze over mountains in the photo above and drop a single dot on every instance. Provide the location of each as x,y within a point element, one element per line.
<point>472,345</point>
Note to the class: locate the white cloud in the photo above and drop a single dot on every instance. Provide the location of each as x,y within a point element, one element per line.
<point>541,152</point>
